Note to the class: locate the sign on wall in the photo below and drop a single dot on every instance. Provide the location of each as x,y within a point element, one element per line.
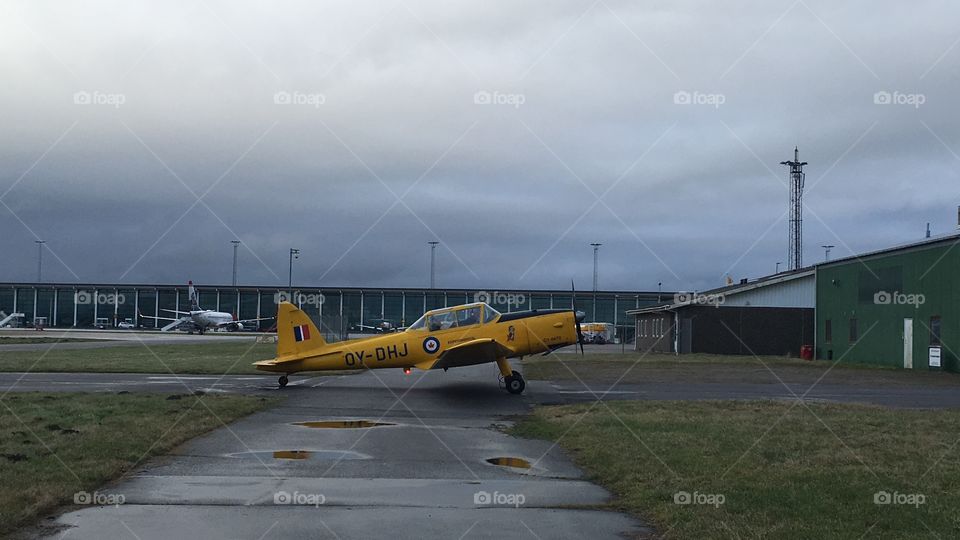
<point>934,357</point>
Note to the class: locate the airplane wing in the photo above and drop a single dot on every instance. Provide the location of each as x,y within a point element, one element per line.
<point>255,320</point>
<point>175,311</point>
<point>142,316</point>
<point>174,323</point>
<point>241,321</point>
<point>477,351</point>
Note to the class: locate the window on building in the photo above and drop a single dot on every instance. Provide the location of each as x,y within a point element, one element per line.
<point>854,333</point>
<point>935,330</point>
<point>828,331</point>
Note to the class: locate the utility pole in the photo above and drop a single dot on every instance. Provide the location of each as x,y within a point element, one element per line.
<point>596,251</point>
<point>826,251</point>
<point>795,242</point>
<point>40,244</point>
<point>294,254</point>
<point>235,243</point>
<point>433,263</point>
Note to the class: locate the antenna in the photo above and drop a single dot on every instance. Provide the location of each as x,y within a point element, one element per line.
<point>795,242</point>
<point>826,251</point>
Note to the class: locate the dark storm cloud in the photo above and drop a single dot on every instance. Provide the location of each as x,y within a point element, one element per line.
<point>497,126</point>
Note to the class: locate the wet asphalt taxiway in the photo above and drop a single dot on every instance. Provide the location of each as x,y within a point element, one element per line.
<point>423,474</point>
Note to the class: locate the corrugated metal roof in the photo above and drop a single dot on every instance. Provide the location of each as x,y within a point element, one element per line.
<point>731,290</point>
<point>926,242</point>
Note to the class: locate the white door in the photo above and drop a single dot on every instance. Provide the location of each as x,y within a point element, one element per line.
<point>908,343</point>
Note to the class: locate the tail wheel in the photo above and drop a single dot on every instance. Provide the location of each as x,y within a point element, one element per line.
<point>283,380</point>
<point>515,383</point>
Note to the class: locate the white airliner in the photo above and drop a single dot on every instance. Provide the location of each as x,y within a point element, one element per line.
<point>200,319</point>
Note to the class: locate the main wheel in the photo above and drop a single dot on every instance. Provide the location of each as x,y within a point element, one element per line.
<point>515,383</point>
<point>283,380</point>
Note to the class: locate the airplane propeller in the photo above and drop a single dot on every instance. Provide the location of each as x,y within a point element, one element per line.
<point>577,315</point>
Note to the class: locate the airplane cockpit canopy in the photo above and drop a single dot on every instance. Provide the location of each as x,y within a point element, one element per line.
<point>455,317</point>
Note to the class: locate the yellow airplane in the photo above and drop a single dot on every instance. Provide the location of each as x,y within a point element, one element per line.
<point>443,338</point>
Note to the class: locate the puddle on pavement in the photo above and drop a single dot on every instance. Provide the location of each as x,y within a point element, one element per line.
<point>330,455</point>
<point>342,424</point>
<point>291,454</point>
<point>515,462</point>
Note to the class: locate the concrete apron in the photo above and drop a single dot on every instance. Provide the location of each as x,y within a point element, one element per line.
<point>425,476</point>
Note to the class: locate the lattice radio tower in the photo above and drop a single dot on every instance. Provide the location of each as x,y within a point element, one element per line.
<point>795,247</point>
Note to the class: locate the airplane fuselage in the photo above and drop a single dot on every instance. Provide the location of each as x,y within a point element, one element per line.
<point>210,319</point>
<point>523,333</point>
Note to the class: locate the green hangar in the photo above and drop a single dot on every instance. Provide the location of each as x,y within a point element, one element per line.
<point>897,307</point>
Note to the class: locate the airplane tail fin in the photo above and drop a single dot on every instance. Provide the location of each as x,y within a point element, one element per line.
<point>296,333</point>
<point>194,298</point>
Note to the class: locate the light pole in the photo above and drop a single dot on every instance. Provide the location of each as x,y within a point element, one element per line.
<point>596,251</point>
<point>294,254</point>
<point>433,263</point>
<point>40,244</point>
<point>235,243</point>
<point>826,252</point>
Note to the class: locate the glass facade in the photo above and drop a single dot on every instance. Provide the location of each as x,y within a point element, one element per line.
<point>65,303</point>
<point>348,307</point>
<point>6,300</point>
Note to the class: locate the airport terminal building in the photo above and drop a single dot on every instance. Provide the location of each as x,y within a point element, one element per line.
<point>338,309</point>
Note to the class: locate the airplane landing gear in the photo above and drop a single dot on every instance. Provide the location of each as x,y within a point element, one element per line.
<point>515,383</point>
<point>283,380</point>
<point>511,378</point>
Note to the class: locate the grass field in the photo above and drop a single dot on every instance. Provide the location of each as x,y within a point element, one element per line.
<point>205,358</point>
<point>53,446</point>
<point>9,340</point>
<point>650,368</point>
<point>767,469</point>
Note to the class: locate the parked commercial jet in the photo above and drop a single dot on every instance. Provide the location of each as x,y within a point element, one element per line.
<point>199,319</point>
<point>441,339</point>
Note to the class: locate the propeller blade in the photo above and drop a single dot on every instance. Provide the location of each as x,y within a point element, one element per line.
<point>576,315</point>
<point>580,338</point>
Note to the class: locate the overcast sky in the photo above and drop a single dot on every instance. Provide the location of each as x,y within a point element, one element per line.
<point>139,140</point>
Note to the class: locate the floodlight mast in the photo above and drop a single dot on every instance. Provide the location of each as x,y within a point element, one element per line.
<point>795,239</point>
